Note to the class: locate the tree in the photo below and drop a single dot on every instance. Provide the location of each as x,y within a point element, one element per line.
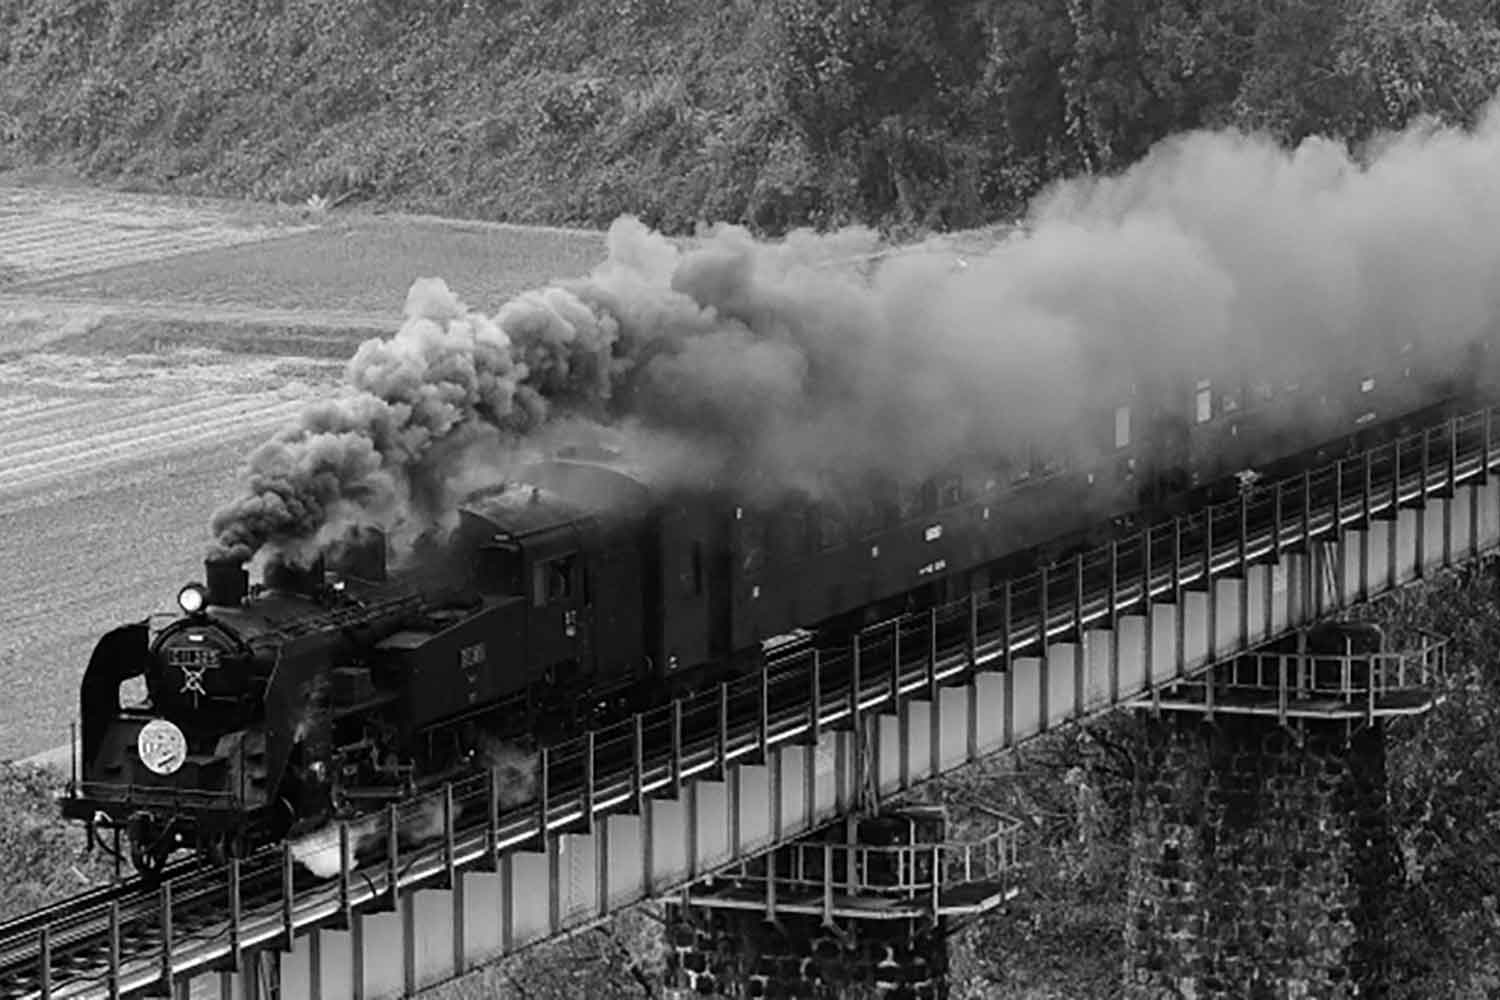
<point>1399,59</point>
<point>883,89</point>
<point>1139,70</point>
<point>1362,66</point>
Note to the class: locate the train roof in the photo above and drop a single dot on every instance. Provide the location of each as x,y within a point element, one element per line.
<point>522,509</point>
<point>556,492</point>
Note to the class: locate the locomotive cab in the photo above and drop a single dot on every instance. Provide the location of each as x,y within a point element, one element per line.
<point>563,572</point>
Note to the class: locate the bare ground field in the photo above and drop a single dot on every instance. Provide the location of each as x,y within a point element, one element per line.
<point>110,467</point>
<point>151,250</point>
<point>147,345</point>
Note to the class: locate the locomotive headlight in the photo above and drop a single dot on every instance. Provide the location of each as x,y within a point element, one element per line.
<point>192,598</point>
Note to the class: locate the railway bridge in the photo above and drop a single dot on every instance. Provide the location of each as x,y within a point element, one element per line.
<point>726,799</point>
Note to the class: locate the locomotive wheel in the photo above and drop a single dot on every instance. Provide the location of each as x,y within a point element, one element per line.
<point>149,859</point>
<point>222,848</point>
<point>150,845</point>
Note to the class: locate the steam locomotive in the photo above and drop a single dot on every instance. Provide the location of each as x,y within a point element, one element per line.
<point>587,585</point>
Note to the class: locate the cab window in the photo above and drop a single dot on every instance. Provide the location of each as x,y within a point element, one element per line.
<point>498,570</point>
<point>552,580</point>
<point>1203,402</point>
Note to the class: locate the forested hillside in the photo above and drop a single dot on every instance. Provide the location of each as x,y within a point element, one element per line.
<point>903,113</point>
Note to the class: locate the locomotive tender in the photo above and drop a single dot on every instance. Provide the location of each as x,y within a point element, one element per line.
<point>583,587</point>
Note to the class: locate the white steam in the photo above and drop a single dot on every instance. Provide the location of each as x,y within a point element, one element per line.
<point>513,768</point>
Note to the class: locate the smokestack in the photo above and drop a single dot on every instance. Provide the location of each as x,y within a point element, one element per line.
<point>227,580</point>
<point>290,579</point>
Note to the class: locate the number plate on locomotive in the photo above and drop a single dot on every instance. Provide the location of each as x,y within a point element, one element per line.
<point>194,657</point>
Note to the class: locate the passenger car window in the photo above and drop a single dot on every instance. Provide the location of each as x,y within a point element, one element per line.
<point>1020,470</point>
<point>793,539</point>
<point>909,500</point>
<point>833,530</point>
<point>752,543</point>
<point>951,491</point>
<point>864,515</point>
<point>692,572</point>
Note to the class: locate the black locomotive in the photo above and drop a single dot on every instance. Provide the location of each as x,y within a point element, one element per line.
<point>584,587</point>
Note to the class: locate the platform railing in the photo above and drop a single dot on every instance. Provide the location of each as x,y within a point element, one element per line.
<point>620,767</point>
<point>889,869</point>
<point>1349,677</point>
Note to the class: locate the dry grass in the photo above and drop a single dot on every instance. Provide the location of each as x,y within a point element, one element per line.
<point>568,113</point>
<point>41,859</point>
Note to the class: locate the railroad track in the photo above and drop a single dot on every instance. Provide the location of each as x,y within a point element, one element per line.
<point>138,937</point>
<point>20,938</point>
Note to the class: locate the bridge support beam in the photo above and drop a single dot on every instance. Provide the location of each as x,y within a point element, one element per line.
<point>1259,858</point>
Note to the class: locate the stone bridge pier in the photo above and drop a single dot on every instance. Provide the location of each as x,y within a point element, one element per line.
<point>1262,856</point>
<point>858,910</point>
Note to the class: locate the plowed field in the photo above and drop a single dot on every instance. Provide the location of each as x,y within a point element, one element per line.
<point>109,471</point>
<point>146,346</point>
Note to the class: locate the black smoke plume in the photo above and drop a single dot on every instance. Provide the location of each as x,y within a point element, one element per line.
<point>798,365</point>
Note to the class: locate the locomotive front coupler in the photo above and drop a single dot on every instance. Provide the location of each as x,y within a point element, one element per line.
<point>142,829</point>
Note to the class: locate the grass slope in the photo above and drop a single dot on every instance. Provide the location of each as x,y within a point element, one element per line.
<point>533,111</point>
<point>41,860</point>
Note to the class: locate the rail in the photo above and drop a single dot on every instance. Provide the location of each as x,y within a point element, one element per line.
<point>265,900</point>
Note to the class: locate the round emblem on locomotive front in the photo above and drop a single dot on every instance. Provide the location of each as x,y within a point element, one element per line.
<point>162,746</point>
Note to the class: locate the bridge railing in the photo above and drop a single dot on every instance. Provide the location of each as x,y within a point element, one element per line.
<point>652,755</point>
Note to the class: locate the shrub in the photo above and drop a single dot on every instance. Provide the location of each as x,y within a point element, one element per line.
<point>42,860</point>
